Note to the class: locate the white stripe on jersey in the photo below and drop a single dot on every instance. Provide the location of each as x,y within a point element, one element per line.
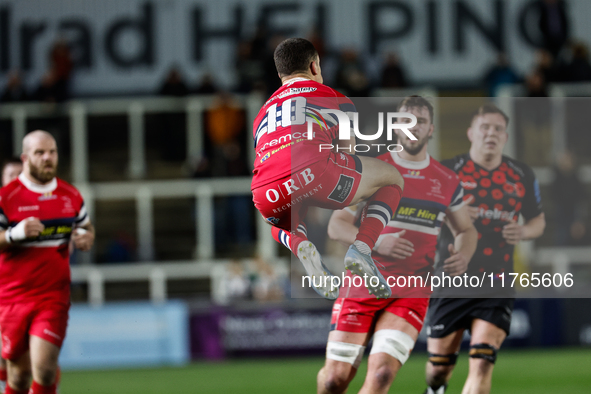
<point>458,202</point>
<point>46,244</point>
<point>414,227</point>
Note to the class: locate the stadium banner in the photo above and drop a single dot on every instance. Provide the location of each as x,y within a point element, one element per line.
<point>126,334</point>
<point>265,330</point>
<point>302,329</point>
<point>128,46</point>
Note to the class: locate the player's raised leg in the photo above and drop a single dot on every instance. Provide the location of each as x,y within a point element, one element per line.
<point>344,352</point>
<point>393,341</point>
<point>484,344</point>
<point>44,362</point>
<point>297,241</point>
<point>443,354</point>
<point>381,186</point>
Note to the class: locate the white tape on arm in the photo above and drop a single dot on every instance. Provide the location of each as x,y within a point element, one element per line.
<point>17,233</point>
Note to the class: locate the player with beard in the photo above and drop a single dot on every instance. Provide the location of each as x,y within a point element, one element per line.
<point>405,249</point>
<point>39,213</point>
<point>499,189</point>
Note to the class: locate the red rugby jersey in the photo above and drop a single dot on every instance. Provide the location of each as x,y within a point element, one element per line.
<point>430,189</point>
<point>280,129</point>
<point>39,267</point>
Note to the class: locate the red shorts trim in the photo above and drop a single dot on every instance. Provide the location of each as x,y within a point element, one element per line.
<point>330,185</point>
<point>47,319</point>
<point>360,314</point>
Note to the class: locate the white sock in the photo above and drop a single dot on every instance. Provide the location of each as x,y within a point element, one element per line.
<point>362,247</point>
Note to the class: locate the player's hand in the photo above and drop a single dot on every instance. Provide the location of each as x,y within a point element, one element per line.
<point>456,263</point>
<point>473,211</point>
<point>83,239</point>
<point>393,245</point>
<point>513,233</point>
<point>32,226</point>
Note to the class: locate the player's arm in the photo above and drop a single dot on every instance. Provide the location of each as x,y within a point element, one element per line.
<point>83,237</point>
<point>28,228</point>
<point>466,238</point>
<point>533,228</point>
<point>535,222</point>
<point>341,227</point>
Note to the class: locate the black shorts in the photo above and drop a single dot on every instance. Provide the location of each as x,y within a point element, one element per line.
<point>447,315</point>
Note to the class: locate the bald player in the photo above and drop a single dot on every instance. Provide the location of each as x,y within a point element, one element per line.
<point>39,214</point>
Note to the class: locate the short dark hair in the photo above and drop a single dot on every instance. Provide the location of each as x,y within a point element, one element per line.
<point>416,101</point>
<point>11,160</point>
<point>294,55</point>
<point>490,108</point>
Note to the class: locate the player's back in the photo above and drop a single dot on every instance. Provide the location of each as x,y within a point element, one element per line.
<point>280,129</point>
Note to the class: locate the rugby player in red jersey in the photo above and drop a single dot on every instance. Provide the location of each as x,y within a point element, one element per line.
<point>39,213</point>
<point>405,249</point>
<point>292,172</point>
<point>10,171</point>
<point>500,190</point>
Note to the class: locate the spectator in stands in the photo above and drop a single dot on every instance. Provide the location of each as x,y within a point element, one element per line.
<point>501,73</point>
<point>248,68</point>
<point>15,90</point>
<point>351,76</point>
<point>267,285</point>
<point>393,75</point>
<point>237,282</point>
<point>579,69</point>
<point>60,60</point>
<point>536,84</point>
<point>554,25</point>
<point>50,90</point>
<point>570,201</point>
<point>552,70</point>
<point>206,86</point>
<point>174,84</point>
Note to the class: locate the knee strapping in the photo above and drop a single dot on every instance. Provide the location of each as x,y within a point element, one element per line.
<point>484,351</point>
<point>443,359</point>
<point>393,342</point>
<point>345,352</point>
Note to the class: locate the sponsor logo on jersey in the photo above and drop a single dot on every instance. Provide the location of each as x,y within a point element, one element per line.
<point>414,174</point>
<point>343,188</point>
<point>272,220</point>
<point>47,196</point>
<point>496,214</point>
<point>416,213</point>
<point>266,157</point>
<point>28,208</point>
<point>469,185</point>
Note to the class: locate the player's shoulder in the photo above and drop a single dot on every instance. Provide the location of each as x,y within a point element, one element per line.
<point>9,189</point>
<point>67,188</point>
<point>519,167</point>
<point>456,162</point>
<point>443,169</point>
<point>387,157</point>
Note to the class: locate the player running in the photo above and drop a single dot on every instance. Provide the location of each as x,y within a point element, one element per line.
<point>10,171</point>
<point>405,248</point>
<point>292,171</point>
<point>500,188</point>
<point>39,213</point>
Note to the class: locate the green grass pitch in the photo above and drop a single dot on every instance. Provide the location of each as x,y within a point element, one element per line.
<point>524,372</point>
